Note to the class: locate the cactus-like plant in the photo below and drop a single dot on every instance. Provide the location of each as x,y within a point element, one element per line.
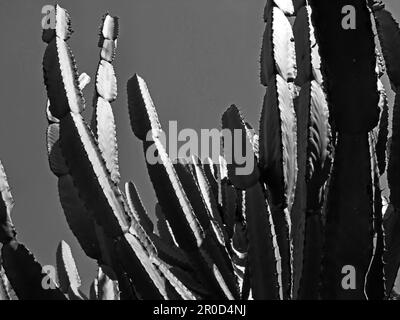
<point>312,205</point>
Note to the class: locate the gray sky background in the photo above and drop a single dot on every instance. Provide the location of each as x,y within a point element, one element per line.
<point>197,57</point>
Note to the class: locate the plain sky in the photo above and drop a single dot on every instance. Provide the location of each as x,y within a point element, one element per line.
<point>197,56</point>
